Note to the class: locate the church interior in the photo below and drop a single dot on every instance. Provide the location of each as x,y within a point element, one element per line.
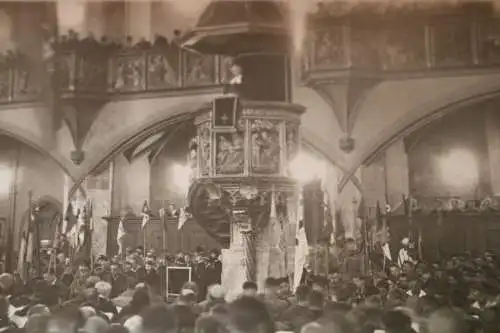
<point>105,107</point>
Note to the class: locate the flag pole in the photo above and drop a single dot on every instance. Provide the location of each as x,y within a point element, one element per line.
<point>13,206</point>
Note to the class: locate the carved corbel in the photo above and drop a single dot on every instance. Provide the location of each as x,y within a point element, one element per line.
<point>79,115</point>
<point>345,96</point>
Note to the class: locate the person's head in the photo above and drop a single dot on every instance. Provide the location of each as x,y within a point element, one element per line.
<point>236,69</point>
<point>50,276</point>
<point>447,321</point>
<point>214,254</point>
<point>103,289</point>
<point>68,319</point>
<point>158,319</point>
<point>394,271</point>
<point>187,297</point>
<point>83,271</point>
<point>191,286</point>
<point>316,302</point>
<point>103,261</point>
<point>207,324</point>
<point>114,268</point>
<point>96,324</point>
<point>249,315</point>
<point>140,299</point>
<point>127,266</point>
<point>271,286</point>
<point>215,292</point>
<point>149,266</point>
<point>6,283</point>
<point>36,323</point>
<point>408,268</point>
<point>396,321</point>
<point>38,309</point>
<point>405,242</point>
<point>249,288</point>
<point>284,287</point>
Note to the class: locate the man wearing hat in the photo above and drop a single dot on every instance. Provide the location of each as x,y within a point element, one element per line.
<point>236,84</point>
<point>403,254</point>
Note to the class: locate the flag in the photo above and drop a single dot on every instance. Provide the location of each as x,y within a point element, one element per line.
<point>146,214</point>
<point>383,233</point>
<point>30,238</point>
<point>120,235</point>
<point>301,253</point>
<point>339,225</point>
<point>328,227</point>
<point>183,216</point>
<point>69,219</point>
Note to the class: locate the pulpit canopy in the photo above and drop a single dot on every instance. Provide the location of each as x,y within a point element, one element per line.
<point>233,27</point>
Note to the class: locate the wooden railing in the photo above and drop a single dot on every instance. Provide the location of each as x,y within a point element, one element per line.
<point>139,71</point>
<point>401,49</point>
<point>404,46</point>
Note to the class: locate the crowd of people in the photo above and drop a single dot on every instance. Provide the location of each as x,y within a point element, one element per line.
<point>72,41</point>
<point>461,294</point>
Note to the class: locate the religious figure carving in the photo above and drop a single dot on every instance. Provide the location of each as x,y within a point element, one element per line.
<point>193,154</point>
<point>452,44</point>
<point>199,70</point>
<point>160,72</point>
<point>129,74</point>
<point>328,48</point>
<point>4,85</point>
<point>292,141</point>
<point>230,153</point>
<point>91,74</point>
<point>204,147</point>
<point>364,51</point>
<point>402,48</point>
<point>265,147</point>
<point>489,47</point>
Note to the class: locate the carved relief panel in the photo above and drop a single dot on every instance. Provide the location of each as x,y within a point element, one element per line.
<point>327,48</point>
<point>204,148</point>
<point>452,44</point>
<point>364,48</point>
<point>91,75</point>
<point>292,141</point>
<point>128,73</point>
<point>25,87</point>
<point>265,146</point>
<point>229,153</point>
<point>489,42</point>
<point>163,73</point>
<point>403,48</point>
<point>4,85</point>
<point>198,70</point>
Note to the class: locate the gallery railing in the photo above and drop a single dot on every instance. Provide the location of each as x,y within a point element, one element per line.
<point>418,47</point>
<point>96,73</point>
<point>403,46</point>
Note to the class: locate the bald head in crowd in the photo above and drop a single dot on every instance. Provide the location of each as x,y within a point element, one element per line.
<point>448,321</point>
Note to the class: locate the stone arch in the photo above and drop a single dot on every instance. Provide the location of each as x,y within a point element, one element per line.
<point>30,140</point>
<point>46,203</point>
<point>185,112</point>
<point>419,117</point>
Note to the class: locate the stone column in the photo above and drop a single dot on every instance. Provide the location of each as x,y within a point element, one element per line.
<point>95,18</point>
<point>138,19</point>
<point>373,184</point>
<point>397,173</point>
<point>131,184</point>
<point>493,140</point>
